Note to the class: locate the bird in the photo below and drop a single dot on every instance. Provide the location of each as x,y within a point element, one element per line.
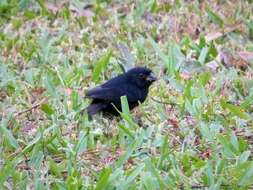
<point>134,84</point>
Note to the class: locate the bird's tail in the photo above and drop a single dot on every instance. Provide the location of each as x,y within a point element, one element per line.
<point>95,108</point>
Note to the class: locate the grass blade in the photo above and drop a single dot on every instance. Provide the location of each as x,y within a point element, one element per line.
<point>100,65</point>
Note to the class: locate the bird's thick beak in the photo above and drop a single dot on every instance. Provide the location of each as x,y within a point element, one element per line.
<point>151,77</point>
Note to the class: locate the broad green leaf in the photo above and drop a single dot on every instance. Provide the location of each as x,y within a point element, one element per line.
<point>203,55</point>
<point>250,25</point>
<point>176,85</point>
<point>103,179</point>
<point>158,50</point>
<point>126,56</point>
<point>100,65</point>
<point>47,109</point>
<point>49,86</point>
<point>116,175</point>
<point>247,102</point>
<point>206,132</point>
<point>229,150</point>
<point>124,105</point>
<point>130,122</point>
<point>148,182</point>
<point>202,43</point>
<point>175,58</point>
<point>31,143</point>
<point>244,157</point>
<point>234,142</point>
<point>54,168</point>
<point>75,99</point>
<point>59,76</point>
<point>221,164</point>
<point>134,174</point>
<point>125,114</point>
<point>7,134</point>
<point>139,11</point>
<point>155,173</point>
<point>215,18</point>
<point>236,110</point>
<point>37,157</point>
<point>90,141</point>
<point>29,76</point>
<point>138,140</point>
<point>164,149</point>
<point>42,6</point>
<point>209,173</point>
<point>187,90</point>
<point>39,183</point>
<point>23,4</point>
<point>152,6</point>
<point>204,78</point>
<point>81,144</point>
<point>28,14</point>
<point>6,172</point>
<point>246,178</point>
<point>126,130</point>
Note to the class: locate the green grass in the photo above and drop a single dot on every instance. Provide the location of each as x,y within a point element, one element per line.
<point>195,129</point>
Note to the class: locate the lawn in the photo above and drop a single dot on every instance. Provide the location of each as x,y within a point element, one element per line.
<point>195,129</point>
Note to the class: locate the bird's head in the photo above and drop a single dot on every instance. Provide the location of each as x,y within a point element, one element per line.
<point>141,76</point>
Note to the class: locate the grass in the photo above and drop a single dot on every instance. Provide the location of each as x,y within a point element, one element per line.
<point>195,129</point>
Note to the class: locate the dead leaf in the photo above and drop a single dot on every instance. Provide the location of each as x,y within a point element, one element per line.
<point>191,121</point>
<point>88,13</point>
<point>231,60</point>
<point>55,7</point>
<point>68,91</point>
<point>212,65</point>
<point>240,63</point>
<point>212,36</point>
<point>206,154</point>
<point>186,75</point>
<point>29,128</point>
<point>246,56</point>
<point>217,34</point>
<point>130,162</point>
<point>3,95</point>
<point>173,122</point>
<point>37,91</point>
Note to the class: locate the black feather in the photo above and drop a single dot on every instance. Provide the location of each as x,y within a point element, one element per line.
<point>133,84</point>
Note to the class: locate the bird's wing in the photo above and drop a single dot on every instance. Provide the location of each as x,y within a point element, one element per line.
<point>107,94</point>
<point>112,93</point>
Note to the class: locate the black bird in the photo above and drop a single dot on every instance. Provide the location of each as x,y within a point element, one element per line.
<point>133,84</point>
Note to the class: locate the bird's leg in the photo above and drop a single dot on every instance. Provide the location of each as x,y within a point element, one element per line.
<point>109,129</point>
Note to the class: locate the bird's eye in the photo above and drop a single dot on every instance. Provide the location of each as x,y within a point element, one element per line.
<point>142,76</point>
